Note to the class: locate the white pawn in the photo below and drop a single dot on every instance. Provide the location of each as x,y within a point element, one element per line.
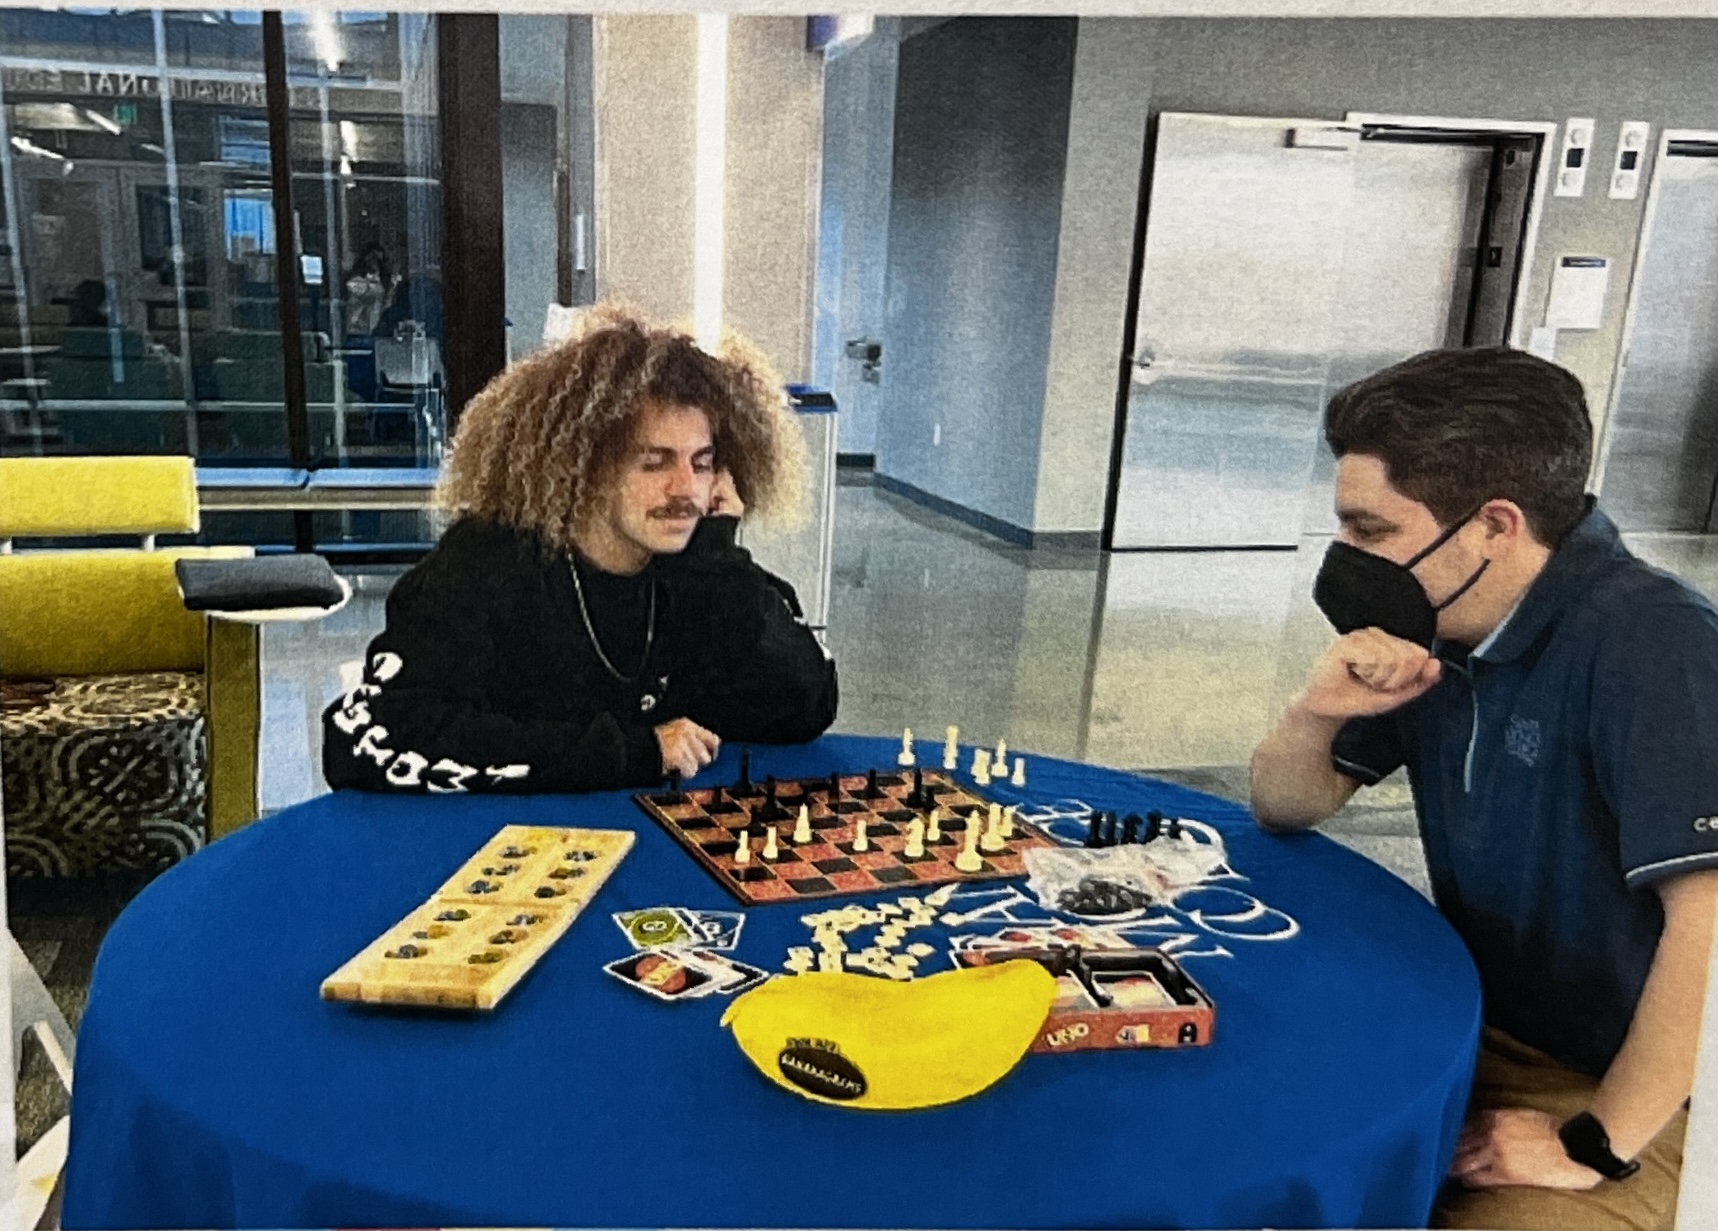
<point>1019,778</point>
<point>992,841</point>
<point>906,759</point>
<point>861,840</point>
<point>915,839</point>
<point>934,832</point>
<point>968,860</point>
<point>951,749</point>
<point>802,827</point>
<point>981,767</point>
<point>1007,827</point>
<point>771,851</point>
<point>743,852</point>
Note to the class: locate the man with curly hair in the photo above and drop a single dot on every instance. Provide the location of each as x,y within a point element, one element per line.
<point>1555,703</point>
<point>587,621</point>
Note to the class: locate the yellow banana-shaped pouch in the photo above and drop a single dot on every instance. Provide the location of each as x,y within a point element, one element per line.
<point>858,1041</point>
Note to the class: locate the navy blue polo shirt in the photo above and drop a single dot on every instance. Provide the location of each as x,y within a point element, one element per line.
<point>1560,771</point>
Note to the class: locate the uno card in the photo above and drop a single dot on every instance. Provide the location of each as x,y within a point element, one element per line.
<point>663,976</point>
<point>728,977</point>
<point>655,928</point>
<point>715,929</point>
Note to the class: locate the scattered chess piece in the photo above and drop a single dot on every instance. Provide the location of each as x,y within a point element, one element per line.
<point>1019,778</point>
<point>861,840</point>
<point>992,842</point>
<point>1095,829</point>
<point>934,830</point>
<point>1153,825</point>
<point>981,767</point>
<point>1130,829</point>
<point>915,839</point>
<point>951,748</point>
<point>802,828</point>
<point>969,860</point>
<point>906,757</point>
<point>1000,760</point>
<point>1174,827</point>
<point>743,852</point>
<point>771,851</point>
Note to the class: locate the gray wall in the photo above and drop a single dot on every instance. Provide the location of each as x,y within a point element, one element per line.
<point>981,127</point>
<point>528,218</point>
<point>1660,71</point>
<point>853,230</point>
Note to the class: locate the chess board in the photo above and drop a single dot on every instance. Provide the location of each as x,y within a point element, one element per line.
<point>489,924</point>
<point>705,821</point>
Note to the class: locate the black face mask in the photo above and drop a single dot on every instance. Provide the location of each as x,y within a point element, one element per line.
<point>1357,589</point>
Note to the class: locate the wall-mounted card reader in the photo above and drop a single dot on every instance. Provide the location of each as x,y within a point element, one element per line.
<point>1577,153</point>
<point>1631,157</point>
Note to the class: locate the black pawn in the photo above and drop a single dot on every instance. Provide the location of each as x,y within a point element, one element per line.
<point>1175,827</point>
<point>1110,829</point>
<point>1095,829</point>
<point>834,788</point>
<point>872,790</point>
<point>1153,825</point>
<point>1130,829</point>
<point>674,795</point>
<point>917,798</point>
<point>745,769</point>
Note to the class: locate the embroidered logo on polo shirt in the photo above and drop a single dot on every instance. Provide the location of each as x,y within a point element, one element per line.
<point>1521,739</point>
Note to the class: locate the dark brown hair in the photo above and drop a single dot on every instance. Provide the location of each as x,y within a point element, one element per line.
<point>538,446</point>
<point>1455,428</point>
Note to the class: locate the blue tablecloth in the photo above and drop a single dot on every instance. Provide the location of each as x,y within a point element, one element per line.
<point>214,1088</point>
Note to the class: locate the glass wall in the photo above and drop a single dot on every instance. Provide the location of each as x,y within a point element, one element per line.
<point>140,303</point>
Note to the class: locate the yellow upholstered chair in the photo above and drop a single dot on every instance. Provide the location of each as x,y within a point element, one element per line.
<point>128,725</point>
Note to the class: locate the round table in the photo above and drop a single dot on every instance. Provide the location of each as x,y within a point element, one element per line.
<point>215,1089</point>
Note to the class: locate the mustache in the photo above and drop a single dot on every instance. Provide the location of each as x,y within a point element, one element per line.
<point>676,510</point>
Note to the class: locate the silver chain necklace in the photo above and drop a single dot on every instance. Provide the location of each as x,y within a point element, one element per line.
<point>591,632</point>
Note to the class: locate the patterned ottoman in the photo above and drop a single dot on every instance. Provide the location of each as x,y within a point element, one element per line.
<point>102,773</point>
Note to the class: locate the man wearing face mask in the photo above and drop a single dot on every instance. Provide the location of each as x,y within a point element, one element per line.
<point>1555,703</point>
<point>587,621</point>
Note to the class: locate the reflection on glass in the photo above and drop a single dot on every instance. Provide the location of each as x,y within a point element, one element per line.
<point>369,210</point>
<point>139,296</point>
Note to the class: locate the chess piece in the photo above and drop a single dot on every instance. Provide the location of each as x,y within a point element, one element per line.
<point>1000,760</point>
<point>742,852</point>
<point>1019,778</point>
<point>1153,825</point>
<point>872,790</point>
<point>980,761</point>
<point>1095,829</point>
<point>918,798</point>
<point>745,769</point>
<point>1174,827</point>
<point>906,757</point>
<point>674,795</point>
<point>915,839</point>
<point>1008,822</point>
<point>771,851</point>
<point>802,828</point>
<point>834,789</point>
<point>968,860</point>
<point>992,841</point>
<point>934,830</point>
<point>861,840</point>
<point>951,748</point>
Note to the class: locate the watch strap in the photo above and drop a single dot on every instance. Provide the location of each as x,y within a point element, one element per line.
<point>1586,1142</point>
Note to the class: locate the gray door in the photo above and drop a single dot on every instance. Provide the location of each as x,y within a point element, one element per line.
<point>1281,262</point>
<point>1235,332</point>
<point>1662,462</point>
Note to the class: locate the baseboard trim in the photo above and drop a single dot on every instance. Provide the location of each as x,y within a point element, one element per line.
<point>1008,532</point>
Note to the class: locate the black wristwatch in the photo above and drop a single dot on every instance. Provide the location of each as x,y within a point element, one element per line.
<point>1585,1141</point>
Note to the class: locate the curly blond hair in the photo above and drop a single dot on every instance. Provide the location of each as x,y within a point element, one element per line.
<point>539,446</point>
